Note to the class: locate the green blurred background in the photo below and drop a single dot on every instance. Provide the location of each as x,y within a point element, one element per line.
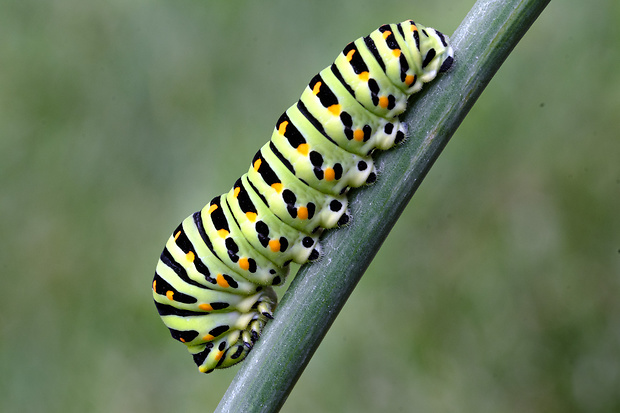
<point>498,290</point>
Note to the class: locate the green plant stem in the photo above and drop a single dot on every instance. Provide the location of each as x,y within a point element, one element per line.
<point>482,42</point>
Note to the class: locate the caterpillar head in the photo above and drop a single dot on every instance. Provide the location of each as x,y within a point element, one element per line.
<point>220,339</point>
<point>438,55</point>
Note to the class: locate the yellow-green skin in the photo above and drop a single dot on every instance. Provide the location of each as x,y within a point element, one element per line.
<point>212,284</point>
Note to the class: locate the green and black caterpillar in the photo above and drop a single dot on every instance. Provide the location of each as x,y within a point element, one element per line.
<point>212,285</point>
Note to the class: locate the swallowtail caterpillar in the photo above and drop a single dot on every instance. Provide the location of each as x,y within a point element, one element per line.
<point>213,282</point>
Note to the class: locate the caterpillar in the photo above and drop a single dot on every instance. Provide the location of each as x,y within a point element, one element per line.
<point>213,281</point>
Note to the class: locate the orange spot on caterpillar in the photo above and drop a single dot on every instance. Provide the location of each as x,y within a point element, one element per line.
<point>257,164</point>
<point>212,208</point>
<point>244,264</point>
<point>350,55</point>
<point>154,284</point>
<point>190,256</point>
<point>277,186</point>
<point>414,28</point>
<point>205,307</point>
<point>222,233</point>
<point>317,88</point>
<point>282,127</point>
<point>274,245</point>
<point>302,212</point>
<point>177,235</point>
<point>221,281</point>
<point>208,337</point>
<point>358,135</point>
<point>330,175</point>
<point>181,339</point>
<point>386,34</point>
<point>364,76</point>
<point>334,109</point>
<point>383,102</point>
<point>303,149</point>
<point>170,295</point>
<point>219,355</point>
<point>409,79</point>
<point>396,52</point>
<point>251,216</point>
<point>236,191</point>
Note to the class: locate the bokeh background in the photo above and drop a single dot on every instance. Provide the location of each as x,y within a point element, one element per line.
<point>498,290</point>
